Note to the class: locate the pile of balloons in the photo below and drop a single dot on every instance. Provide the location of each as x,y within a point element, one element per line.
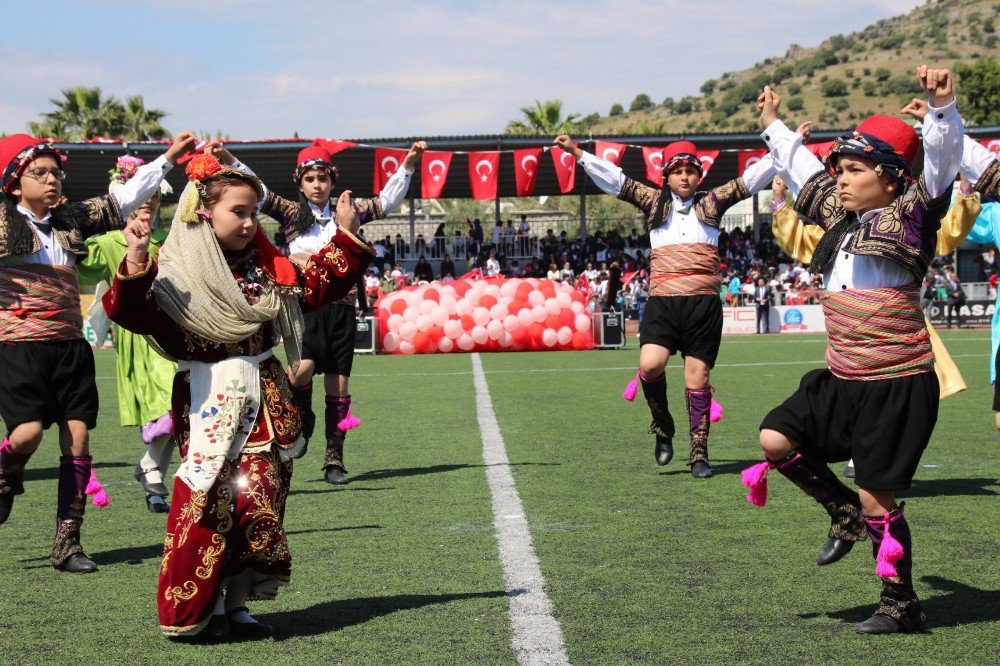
<point>496,314</point>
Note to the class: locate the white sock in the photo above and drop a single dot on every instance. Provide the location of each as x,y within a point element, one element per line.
<point>243,617</point>
<point>148,465</point>
<point>162,449</point>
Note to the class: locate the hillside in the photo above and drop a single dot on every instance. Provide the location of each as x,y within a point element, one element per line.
<point>844,79</point>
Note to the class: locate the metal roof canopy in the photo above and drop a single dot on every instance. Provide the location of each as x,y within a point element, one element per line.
<point>274,161</point>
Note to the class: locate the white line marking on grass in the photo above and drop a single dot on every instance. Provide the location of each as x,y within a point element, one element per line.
<point>536,636</point>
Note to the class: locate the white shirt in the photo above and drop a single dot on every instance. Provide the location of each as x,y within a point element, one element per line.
<point>492,266</point>
<point>975,159</point>
<point>680,227</point>
<point>129,196</point>
<point>497,232</point>
<point>942,134</point>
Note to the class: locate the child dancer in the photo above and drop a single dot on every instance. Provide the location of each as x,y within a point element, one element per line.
<point>877,403</point>
<point>144,376</point>
<point>216,302</point>
<point>46,366</point>
<point>683,313</point>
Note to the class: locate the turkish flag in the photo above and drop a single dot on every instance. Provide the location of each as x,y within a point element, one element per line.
<point>653,157</point>
<point>992,145</point>
<point>526,170</point>
<point>565,167</point>
<point>483,174</point>
<point>333,146</point>
<point>707,158</point>
<point>820,150</point>
<point>612,152</point>
<point>747,158</point>
<point>387,161</point>
<point>433,173</point>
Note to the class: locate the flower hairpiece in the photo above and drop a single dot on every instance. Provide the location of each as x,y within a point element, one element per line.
<point>125,168</point>
<point>202,166</point>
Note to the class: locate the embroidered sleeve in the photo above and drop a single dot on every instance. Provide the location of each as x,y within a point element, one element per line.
<point>919,214</point>
<point>795,238</point>
<point>713,204</point>
<point>957,223</point>
<point>331,273</point>
<point>95,216</point>
<point>284,211</point>
<point>130,302</point>
<point>989,182</point>
<point>368,209</point>
<point>819,200</point>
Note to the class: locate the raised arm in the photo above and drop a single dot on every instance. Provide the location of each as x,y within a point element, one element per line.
<point>143,185</point>
<point>942,131</point>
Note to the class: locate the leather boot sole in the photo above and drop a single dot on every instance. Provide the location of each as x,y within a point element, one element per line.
<point>701,470</point>
<point>883,624</point>
<point>663,451</point>
<point>833,550</point>
<point>78,563</point>
<point>335,476</point>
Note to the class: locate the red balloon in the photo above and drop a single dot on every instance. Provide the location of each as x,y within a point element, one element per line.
<point>467,322</point>
<point>487,301</point>
<point>553,322</point>
<point>581,341</point>
<point>516,306</point>
<point>522,291</point>
<point>547,288</point>
<point>420,341</point>
<point>435,334</point>
<point>431,294</point>
<point>578,296</point>
<point>521,335</point>
<point>460,287</point>
<point>567,318</point>
<point>398,306</point>
<point>535,331</point>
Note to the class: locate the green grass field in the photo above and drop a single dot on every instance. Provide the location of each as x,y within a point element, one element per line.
<point>642,564</point>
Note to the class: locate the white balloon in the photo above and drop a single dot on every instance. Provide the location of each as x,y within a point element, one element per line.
<point>509,288</point>
<point>577,307</point>
<point>453,328</point>
<point>424,323</point>
<point>525,318</point>
<point>480,316</point>
<point>564,299</point>
<point>426,307</point>
<point>549,338</point>
<point>510,323</point>
<point>494,329</point>
<point>498,312</point>
<point>479,335</point>
<point>539,313</point>
<point>552,306</point>
<point>465,342</point>
<point>582,323</point>
<point>407,348</point>
<point>407,331</point>
<point>536,298</point>
<point>445,345</point>
<point>394,322</point>
<point>464,307</point>
<point>391,342</point>
<point>411,314</point>
<point>506,340</point>
<point>439,315</point>
<point>492,290</point>
<point>564,335</point>
<point>448,303</point>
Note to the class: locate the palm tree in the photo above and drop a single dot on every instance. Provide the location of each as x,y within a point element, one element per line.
<point>50,129</point>
<point>142,124</point>
<point>543,118</point>
<point>83,114</point>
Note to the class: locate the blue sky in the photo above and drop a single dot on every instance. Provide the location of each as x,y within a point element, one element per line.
<point>258,69</point>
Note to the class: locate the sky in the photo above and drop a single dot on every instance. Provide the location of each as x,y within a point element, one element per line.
<point>258,69</point>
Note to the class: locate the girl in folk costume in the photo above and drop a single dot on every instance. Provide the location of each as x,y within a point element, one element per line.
<point>683,313</point>
<point>216,302</point>
<point>144,376</point>
<point>328,343</point>
<point>46,366</point>
<point>877,402</point>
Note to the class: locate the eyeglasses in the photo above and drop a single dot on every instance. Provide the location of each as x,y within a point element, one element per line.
<point>40,174</point>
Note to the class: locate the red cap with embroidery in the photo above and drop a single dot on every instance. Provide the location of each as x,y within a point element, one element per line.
<point>17,151</point>
<point>314,157</point>
<point>894,131</point>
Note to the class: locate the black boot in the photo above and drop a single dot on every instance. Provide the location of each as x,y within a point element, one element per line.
<point>699,406</point>
<point>303,397</point>
<point>11,478</point>
<point>899,608</point>
<point>841,503</point>
<point>662,426</point>
<point>67,553</point>
<point>337,408</point>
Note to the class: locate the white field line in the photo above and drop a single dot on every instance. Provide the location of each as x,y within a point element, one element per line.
<point>535,635</point>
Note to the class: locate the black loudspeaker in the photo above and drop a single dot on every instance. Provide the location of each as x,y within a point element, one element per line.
<point>364,335</point>
<point>609,330</point>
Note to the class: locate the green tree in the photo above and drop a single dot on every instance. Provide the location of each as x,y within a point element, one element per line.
<point>835,88</point>
<point>142,124</point>
<point>882,74</point>
<point>795,104</point>
<point>979,91</point>
<point>708,87</point>
<point>641,103</point>
<point>543,118</point>
<point>616,110</point>
<point>83,114</point>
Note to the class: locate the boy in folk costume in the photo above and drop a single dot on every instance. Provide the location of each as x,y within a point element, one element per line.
<point>144,376</point>
<point>683,313</point>
<point>877,403</point>
<point>328,343</point>
<point>46,366</point>
<point>216,301</point>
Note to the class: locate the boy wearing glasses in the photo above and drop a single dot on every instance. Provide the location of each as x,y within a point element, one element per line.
<point>46,365</point>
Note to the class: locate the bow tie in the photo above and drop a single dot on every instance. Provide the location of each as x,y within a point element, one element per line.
<point>44,227</point>
<point>323,221</point>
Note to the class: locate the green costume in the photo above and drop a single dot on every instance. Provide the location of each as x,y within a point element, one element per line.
<point>145,378</point>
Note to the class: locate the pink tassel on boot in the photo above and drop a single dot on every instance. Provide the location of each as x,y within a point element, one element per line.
<point>889,552</point>
<point>715,413</point>
<point>95,488</point>
<point>632,388</point>
<point>349,422</point>
<point>755,478</point>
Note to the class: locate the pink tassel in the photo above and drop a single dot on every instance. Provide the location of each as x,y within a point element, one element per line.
<point>755,478</point>
<point>889,552</point>
<point>715,414</point>
<point>349,422</point>
<point>95,488</point>
<point>632,388</point>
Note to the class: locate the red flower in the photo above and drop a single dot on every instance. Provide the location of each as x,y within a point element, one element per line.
<point>202,166</point>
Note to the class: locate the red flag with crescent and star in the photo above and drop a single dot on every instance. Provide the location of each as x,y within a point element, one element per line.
<point>992,145</point>
<point>653,157</point>
<point>612,152</point>
<point>434,173</point>
<point>565,167</point>
<point>707,158</point>
<point>333,146</point>
<point>387,161</point>
<point>526,170</point>
<point>483,172</point>
<point>746,158</point>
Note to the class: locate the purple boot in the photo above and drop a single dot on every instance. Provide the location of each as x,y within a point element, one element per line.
<point>67,553</point>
